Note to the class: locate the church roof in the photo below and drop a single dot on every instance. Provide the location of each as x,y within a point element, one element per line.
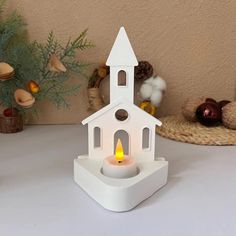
<point>116,103</point>
<point>122,53</point>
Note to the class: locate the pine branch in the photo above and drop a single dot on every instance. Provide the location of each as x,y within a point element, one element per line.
<point>80,43</point>
<point>11,29</point>
<point>76,66</point>
<point>17,51</point>
<point>30,62</point>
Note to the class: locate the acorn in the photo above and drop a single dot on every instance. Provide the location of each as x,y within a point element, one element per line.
<point>33,86</point>
<point>229,115</point>
<point>190,106</point>
<point>208,114</point>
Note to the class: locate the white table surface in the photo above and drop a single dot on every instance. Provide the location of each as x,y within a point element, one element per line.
<point>38,195</point>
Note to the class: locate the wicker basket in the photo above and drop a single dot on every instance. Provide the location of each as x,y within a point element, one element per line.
<point>12,124</point>
<point>179,129</point>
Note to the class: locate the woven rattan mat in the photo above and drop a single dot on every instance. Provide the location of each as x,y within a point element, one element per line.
<point>179,129</point>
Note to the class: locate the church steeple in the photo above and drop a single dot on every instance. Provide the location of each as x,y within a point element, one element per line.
<point>122,59</point>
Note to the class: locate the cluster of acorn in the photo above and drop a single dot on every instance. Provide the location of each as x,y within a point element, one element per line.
<point>209,112</point>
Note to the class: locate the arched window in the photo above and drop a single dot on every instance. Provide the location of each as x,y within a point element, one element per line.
<point>146,138</point>
<point>97,137</point>
<point>122,78</point>
<point>124,137</point>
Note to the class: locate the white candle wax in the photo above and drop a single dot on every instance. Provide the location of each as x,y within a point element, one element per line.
<point>124,169</point>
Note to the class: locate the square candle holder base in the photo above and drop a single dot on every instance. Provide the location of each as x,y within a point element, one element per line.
<point>120,194</point>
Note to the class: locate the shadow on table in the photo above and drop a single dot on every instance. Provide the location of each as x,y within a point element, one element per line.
<point>182,158</point>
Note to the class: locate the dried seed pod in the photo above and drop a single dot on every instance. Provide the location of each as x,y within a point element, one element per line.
<point>24,98</point>
<point>55,65</point>
<point>6,71</point>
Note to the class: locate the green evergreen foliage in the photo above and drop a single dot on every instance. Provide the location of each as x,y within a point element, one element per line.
<point>54,85</point>
<point>30,62</point>
<point>12,43</point>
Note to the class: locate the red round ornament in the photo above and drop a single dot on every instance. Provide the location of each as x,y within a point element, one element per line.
<point>208,114</point>
<point>10,112</point>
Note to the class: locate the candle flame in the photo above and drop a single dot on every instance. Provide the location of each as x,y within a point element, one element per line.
<point>119,151</point>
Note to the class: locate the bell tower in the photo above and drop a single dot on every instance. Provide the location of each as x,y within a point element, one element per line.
<point>122,61</point>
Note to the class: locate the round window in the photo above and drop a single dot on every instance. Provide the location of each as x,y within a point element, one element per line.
<point>121,114</point>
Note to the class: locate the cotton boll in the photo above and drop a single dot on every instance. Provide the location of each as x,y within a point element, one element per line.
<point>145,91</point>
<point>159,83</point>
<point>156,97</point>
<point>149,80</point>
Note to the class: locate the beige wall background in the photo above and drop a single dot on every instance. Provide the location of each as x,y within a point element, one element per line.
<point>191,43</point>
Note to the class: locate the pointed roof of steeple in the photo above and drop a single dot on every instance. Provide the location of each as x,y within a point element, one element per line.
<point>122,53</point>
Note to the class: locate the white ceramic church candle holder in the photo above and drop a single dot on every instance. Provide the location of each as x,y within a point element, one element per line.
<point>119,193</point>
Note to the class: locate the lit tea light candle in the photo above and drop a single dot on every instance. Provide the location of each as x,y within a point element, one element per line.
<point>119,165</point>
